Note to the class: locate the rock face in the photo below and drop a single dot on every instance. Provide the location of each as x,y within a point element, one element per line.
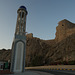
<point>64,29</point>
<point>64,50</point>
<point>36,50</point>
<point>44,52</point>
<point>29,35</point>
<point>60,49</point>
<point>5,55</point>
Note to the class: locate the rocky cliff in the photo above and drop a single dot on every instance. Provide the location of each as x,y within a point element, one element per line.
<point>64,29</point>
<point>5,55</point>
<point>45,52</point>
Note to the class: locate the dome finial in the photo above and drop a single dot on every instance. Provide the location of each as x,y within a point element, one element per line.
<point>23,7</point>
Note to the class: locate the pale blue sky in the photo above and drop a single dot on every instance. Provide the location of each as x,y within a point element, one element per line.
<point>42,19</point>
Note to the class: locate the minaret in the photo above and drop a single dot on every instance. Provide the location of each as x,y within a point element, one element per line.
<point>19,42</point>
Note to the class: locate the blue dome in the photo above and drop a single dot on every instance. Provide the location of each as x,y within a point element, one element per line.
<point>23,7</point>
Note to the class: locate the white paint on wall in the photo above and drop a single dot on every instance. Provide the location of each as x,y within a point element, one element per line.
<point>19,57</point>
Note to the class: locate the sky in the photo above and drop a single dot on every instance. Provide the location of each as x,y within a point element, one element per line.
<point>42,19</point>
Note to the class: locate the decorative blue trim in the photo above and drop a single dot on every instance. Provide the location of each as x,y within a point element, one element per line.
<point>13,56</point>
<point>20,37</point>
<point>24,57</point>
<point>14,50</point>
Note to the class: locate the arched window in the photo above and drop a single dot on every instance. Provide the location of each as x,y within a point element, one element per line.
<point>22,14</point>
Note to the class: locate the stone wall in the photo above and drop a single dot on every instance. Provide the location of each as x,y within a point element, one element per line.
<point>64,29</point>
